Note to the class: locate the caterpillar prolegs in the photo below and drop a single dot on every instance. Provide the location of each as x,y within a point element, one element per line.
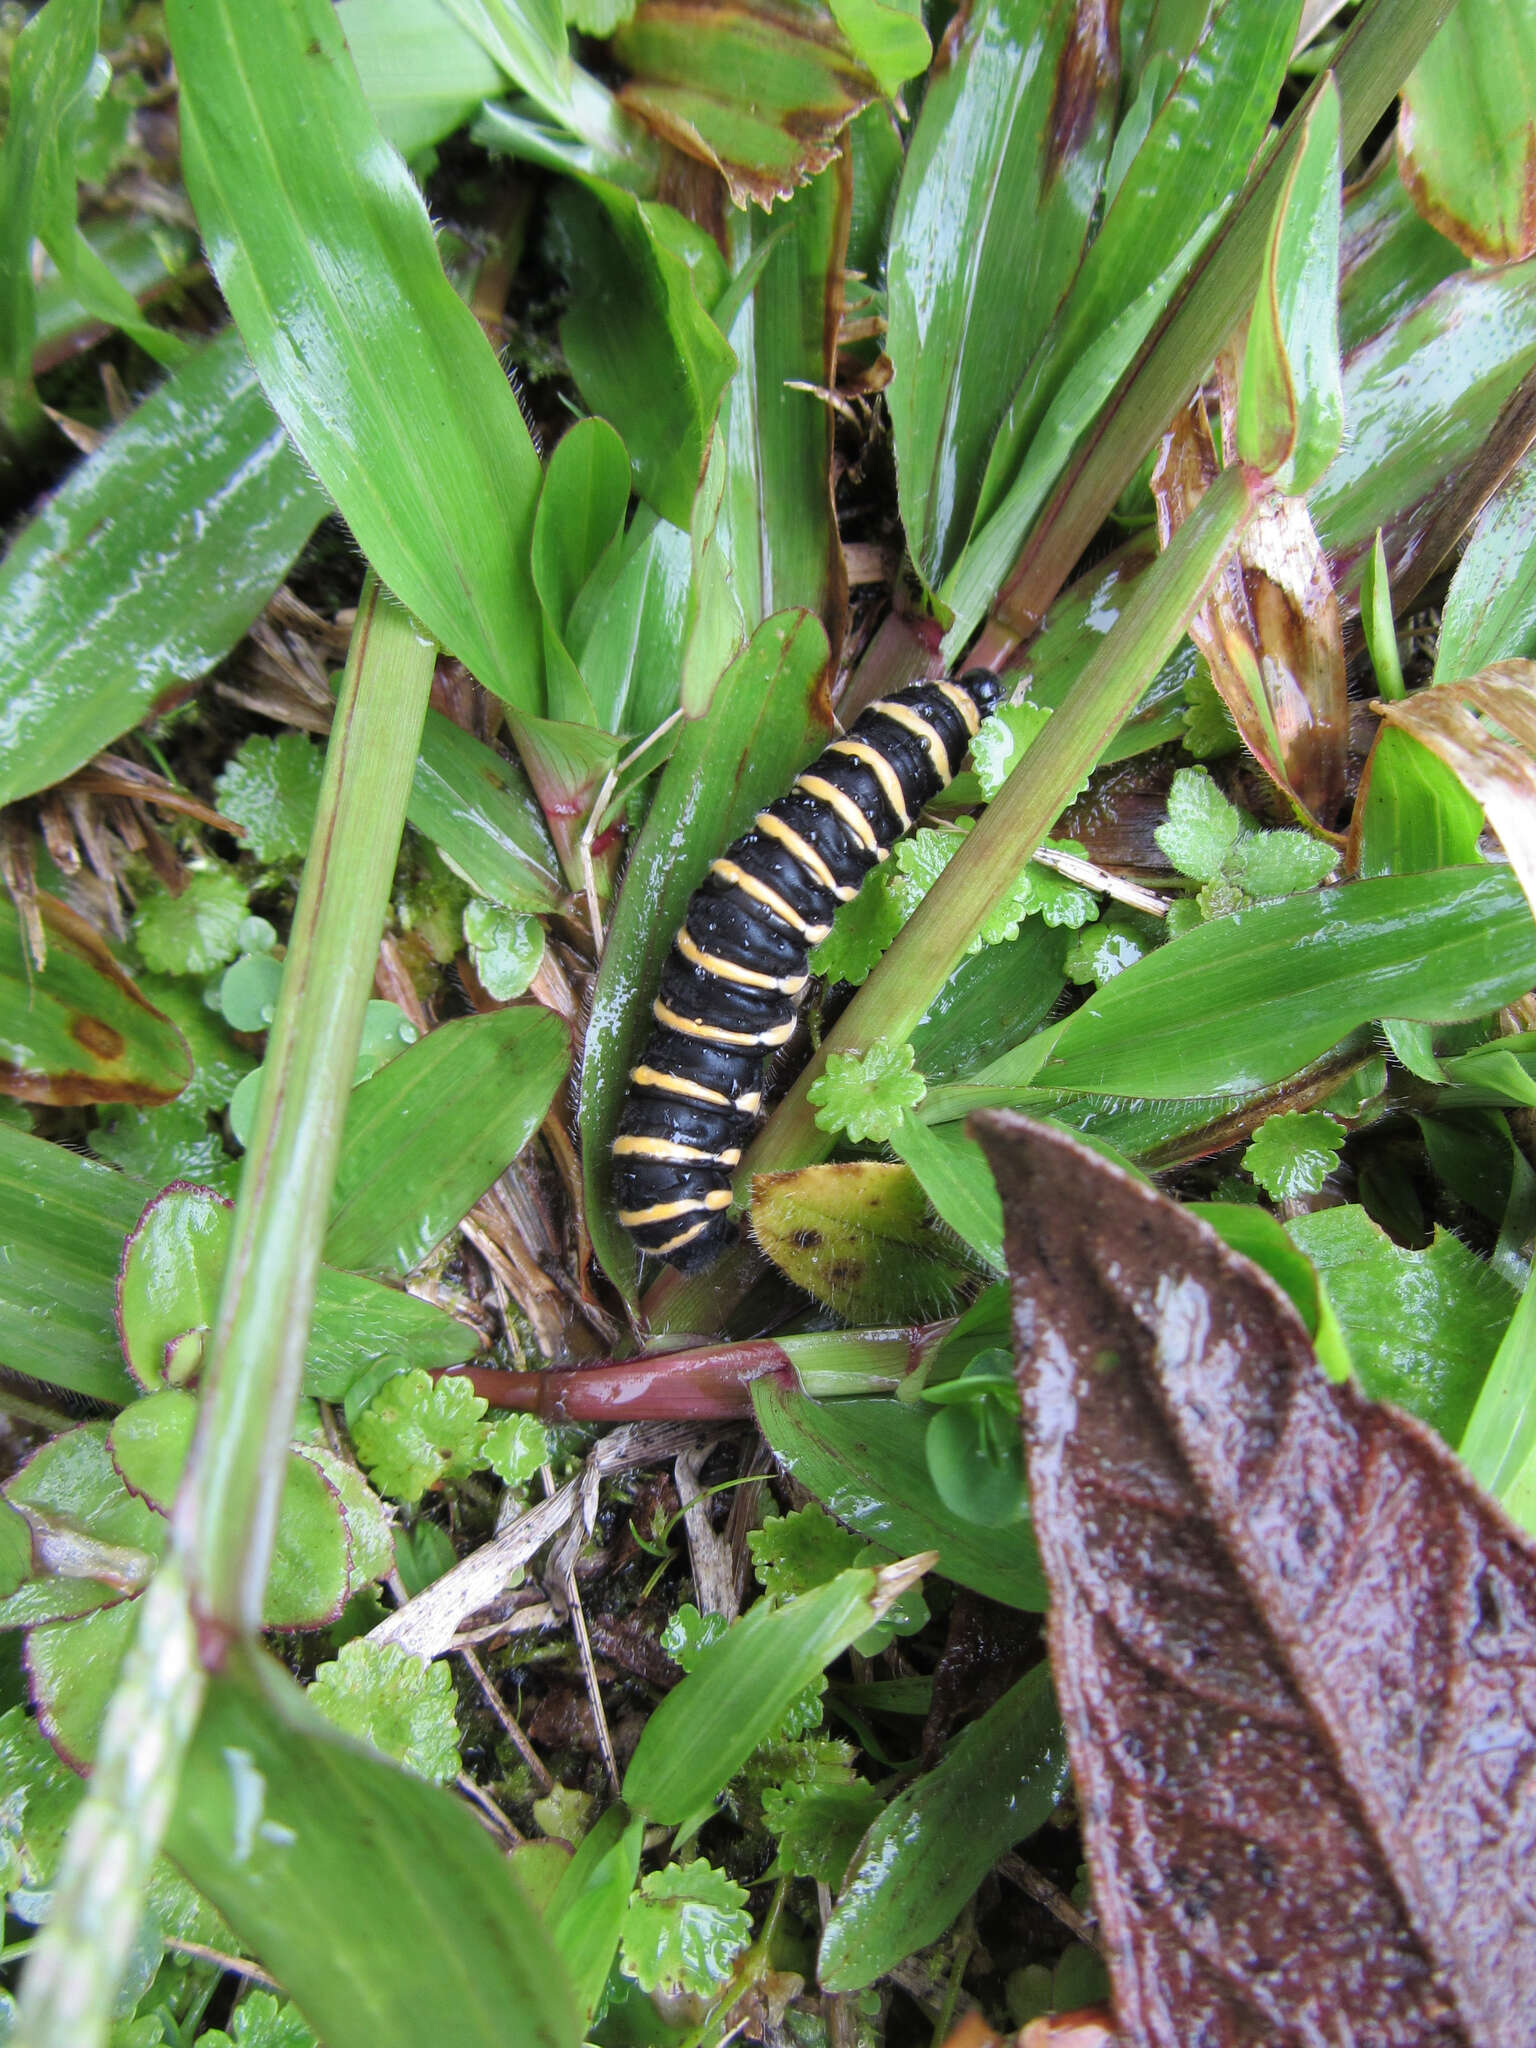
<point>738,965</point>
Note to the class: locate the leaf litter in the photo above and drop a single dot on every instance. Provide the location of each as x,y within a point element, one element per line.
<point>1294,1645</point>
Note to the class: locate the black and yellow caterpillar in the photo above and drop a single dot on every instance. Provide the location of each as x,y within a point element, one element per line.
<point>738,965</point>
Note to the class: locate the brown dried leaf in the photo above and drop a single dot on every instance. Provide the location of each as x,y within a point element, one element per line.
<point>1500,773</point>
<point>1295,1647</point>
<point>1270,631</point>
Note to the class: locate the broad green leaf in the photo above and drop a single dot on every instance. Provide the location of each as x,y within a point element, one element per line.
<point>168,1290</point>
<point>764,723</point>
<point>358,1321</point>
<point>377,1901</point>
<point>626,626</point>
<point>1411,814</point>
<point>197,928</point>
<point>1000,184</point>
<point>924,1857</point>
<point>1422,1326</point>
<point>638,336</point>
<point>49,93</point>
<point>428,1134</point>
<point>955,1177</point>
<point>146,567</point>
<point>775,527</point>
<point>1389,256</point>
<point>78,1030</point>
<point>888,36</point>
<point>1290,406</point>
<point>586,1914</point>
<point>1466,138</point>
<point>73,1668</point>
<point>739,1690</point>
<point>1500,1435</point>
<point>864,1460</point>
<point>368,356</point>
<point>1245,1001</point>
<point>149,1444</point>
<point>1210,123</point>
<point>1421,398</point>
<point>1294,1152</point>
<point>1490,609</point>
<point>422,74</point>
<point>477,809</point>
<point>72,1483</point>
<point>760,91</point>
<point>580,518</point>
<point>63,1220</point>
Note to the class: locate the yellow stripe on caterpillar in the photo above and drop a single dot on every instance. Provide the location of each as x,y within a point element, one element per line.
<point>770,899</point>
<point>727,970</point>
<point>914,722</point>
<point>808,857</point>
<point>839,800</point>
<point>716,1034</point>
<point>890,783</point>
<point>675,1150</point>
<point>964,704</point>
<point>668,1212</point>
<point>679,1084</point>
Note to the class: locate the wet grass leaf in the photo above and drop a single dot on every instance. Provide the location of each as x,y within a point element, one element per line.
<point>376,1899</point>
<point>77,1030</point>
<point>924,1857</point>
<point>638,335</point>
<point>999,187</point>
<point>1284,1625</point>
<point>1490,609</point>
<point>429,1133</point>
<point>64,1218</point>
<point>146,568</point>
<point>325,253</point>
<point>762,92</point>
<point>1249,999</point>
<point>865,1461</point>
<point>1466,138</point>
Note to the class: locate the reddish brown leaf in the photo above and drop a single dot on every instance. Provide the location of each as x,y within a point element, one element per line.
<point>1295,1647</point>
<point>1271,630</point>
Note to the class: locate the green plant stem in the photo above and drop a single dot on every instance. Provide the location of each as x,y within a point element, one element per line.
<point>226,1515</point>
<point>932,944</point>
<point>1384,43</point>
<point>70,1984</point>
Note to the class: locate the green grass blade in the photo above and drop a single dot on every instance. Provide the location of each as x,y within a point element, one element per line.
<point>738,1691</point>
<point>146,568</point>
<point>1249,999</point>
<point>993,210</point>
<point>999,1781</point>
<point>69,1988</point>
<point>326,256</point>
<point>77,1030</point>
<point>381,1905</point>
<point>62,1220</point>
<point>256,1348</point>
<point>429,1134</point>
<point>1468,131</point>
<point>1490,609</point>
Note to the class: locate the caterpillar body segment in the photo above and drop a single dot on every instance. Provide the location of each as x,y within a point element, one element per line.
<point>738,966</point>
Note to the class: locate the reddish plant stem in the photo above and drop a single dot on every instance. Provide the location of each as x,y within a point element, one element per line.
<point>711,1384</point>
